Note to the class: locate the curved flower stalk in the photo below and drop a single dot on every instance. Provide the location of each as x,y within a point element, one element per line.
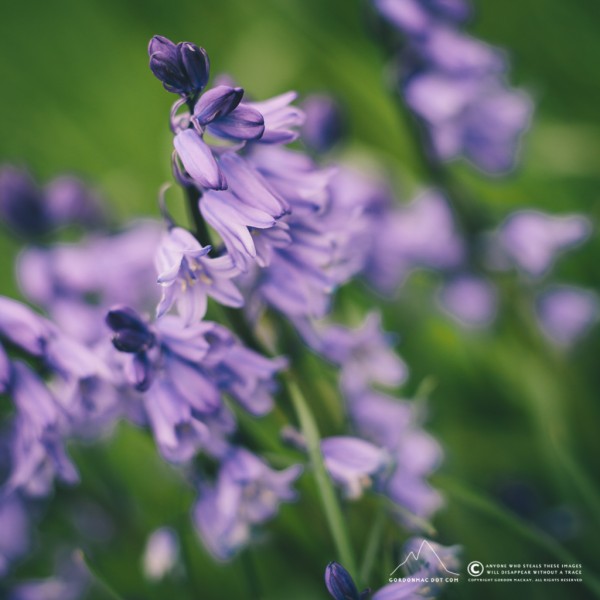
<point>455,85</point>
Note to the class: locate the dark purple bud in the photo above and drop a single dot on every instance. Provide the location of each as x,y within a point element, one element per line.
<point>340,584</point>
<point>22,206</point>
<point>196,64</point>
<point>170,72</point>
<point>216,103</point>
<point>183,68</point>
<point>131,332</point>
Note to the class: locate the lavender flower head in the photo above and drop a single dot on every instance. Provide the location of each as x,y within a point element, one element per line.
<point>247,493</point>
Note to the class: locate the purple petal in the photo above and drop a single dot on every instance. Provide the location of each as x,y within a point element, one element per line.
<point>198,160</point>
<point>216,103</point>
<point>243,123</point>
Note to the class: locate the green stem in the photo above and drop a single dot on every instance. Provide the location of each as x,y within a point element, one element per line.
<point>373,546</point>
<point>474,500</point>
<point>200,228</point>
<point>327,493</point>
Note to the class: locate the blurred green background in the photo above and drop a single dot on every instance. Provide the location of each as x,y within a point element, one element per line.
<point>77,95</point>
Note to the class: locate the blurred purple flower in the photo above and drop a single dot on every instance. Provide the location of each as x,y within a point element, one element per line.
<point>352,463</point>
<point>566,313</point>
<point>37,448</point>
<point>421,234</point>
<point>32,211</point>
<point>324,124</point>
<point>365,354</point>
<point>340,584</point>
<point>470,300</point>
<point>77,283</point>
<point>476,117</point>
<point>455,84</point>
<point>394,425</point>
<point>417,17</point>
<point>533,240</point>
<point>161,553</point>
<point>14,524</point>
<point>188,276</point>
<point>247,493</point>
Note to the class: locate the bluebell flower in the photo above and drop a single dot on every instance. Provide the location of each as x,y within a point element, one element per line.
<point>37,447</point>
<point>221,113</point>
<point>365,354</point>
<point>421,234</point>
<point>281,118</point>
<point>414,454</point>
<point>77,283</point>
<point>477,117</point>
<point>161,553</point>
<point>249,206</point>
<point>417,17</point>
<point>353,463</point>
<point>22,205</point>
<point>471,300</point>
<point>533,240</point>
<point>31,211</point>
<point>247,493</point>
<point>15,527</point>
<point>566,313</point>
<point>340,584</point>
<point>324,125</point>
<point>183,372</point>
<point>455,84</point>
<point>182,68</point>
<point>188,276</point>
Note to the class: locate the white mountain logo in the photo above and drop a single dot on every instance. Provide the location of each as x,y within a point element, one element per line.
<point>417,556</point>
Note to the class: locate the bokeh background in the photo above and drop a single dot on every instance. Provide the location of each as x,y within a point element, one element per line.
<point>517,417</point>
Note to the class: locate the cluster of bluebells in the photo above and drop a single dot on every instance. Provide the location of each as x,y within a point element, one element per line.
<point>455,84</point>
<point>289,234</point>
<point>126,335</point>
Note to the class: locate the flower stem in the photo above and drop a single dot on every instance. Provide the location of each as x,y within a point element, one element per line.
<point>107,590</point>
<point>200,229</point>
<point>327,493</point>
<point>373,545</point>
